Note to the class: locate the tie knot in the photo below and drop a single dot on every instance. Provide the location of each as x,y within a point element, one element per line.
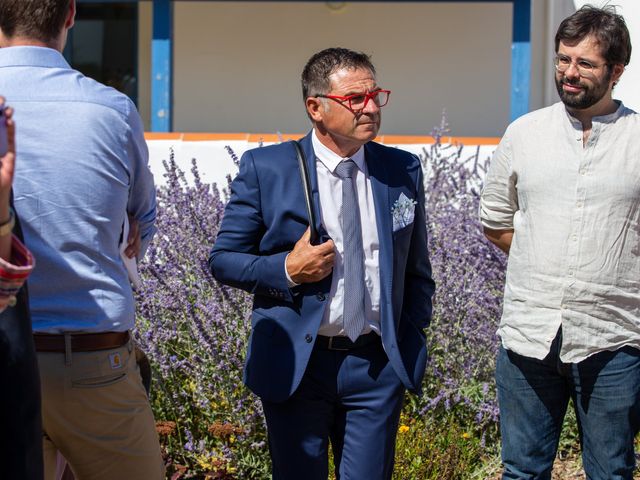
<point>346,168</point>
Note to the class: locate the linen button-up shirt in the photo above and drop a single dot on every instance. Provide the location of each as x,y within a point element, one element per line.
<point>574,260</point>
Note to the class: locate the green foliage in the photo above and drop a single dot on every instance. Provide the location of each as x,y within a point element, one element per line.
<point>435,448</point>
<point>438,448</point>
<point>570,437</point>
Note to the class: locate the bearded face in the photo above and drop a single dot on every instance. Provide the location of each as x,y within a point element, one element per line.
<point>581,93</point>
<point>583,76</point>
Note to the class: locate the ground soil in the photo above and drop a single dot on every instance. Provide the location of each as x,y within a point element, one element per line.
<point>563,469</point>
<point>567,468</point>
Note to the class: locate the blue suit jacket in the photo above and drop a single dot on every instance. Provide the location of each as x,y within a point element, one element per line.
<point>266,215</point>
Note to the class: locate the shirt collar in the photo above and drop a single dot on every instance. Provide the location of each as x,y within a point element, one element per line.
<point>27,56</point>
<point>331,159</point>
<point>610,118</point>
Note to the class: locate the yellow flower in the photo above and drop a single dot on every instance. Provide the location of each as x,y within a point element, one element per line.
<point>206,462</point>
<point>466,435</point>
<point>403,429</point>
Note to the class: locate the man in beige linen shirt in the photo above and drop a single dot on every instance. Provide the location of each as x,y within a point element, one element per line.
<point>562,198</point>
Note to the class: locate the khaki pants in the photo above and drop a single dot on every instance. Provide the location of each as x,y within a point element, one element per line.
<point>96,413</point>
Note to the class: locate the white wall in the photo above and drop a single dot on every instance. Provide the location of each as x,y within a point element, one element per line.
<point>237,64</point>
<point>214,162</point>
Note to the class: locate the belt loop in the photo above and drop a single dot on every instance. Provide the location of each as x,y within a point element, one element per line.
<point>67,349</point>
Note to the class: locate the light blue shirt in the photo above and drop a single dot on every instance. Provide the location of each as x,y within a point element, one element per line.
<point>82,165</point>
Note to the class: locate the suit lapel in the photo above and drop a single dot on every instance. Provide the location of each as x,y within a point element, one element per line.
<point>378,175</point>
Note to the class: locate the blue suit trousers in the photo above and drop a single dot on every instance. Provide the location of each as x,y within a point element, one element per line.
<point>351,398</point>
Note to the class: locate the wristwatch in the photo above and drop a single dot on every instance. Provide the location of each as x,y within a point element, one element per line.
<point>7,227</point>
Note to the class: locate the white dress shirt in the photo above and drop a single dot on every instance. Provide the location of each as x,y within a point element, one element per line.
<point>575,210</point>
<point>330,191</point>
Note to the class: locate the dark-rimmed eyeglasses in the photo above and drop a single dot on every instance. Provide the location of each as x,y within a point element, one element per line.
<point>358,101</point>
<point>584,67</point>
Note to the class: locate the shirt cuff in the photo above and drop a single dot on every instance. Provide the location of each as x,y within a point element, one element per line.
<point>14,273</point>
<point>290,283</point>
<point>491,225</point>
<point>494,219</point>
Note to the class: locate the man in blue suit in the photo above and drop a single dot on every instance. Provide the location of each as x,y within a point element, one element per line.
<point>338,326</point>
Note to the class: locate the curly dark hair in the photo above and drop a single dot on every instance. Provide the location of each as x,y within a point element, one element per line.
<point>609,29</point>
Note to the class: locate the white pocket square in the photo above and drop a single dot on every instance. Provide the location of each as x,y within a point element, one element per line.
<point>403,212</point>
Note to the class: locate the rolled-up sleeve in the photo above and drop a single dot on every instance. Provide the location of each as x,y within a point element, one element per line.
<point>499,199</point>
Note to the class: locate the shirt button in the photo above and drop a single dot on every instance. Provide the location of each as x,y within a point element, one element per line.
<point>583,171</point>
<point>308,338</point>
<point>579,204</point>
<point>571,273</point>
<point>321,297</point>
<point>574,237</point>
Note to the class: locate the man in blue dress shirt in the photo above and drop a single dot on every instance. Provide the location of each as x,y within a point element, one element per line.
<point>83,169</point>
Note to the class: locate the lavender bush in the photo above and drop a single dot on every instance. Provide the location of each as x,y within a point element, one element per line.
<point>469,274</point>
<point>194,330</point>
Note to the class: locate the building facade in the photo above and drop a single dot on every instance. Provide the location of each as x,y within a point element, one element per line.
<point>234,66</point>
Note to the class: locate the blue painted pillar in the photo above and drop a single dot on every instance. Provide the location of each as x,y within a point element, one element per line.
<point>521,58</point>
<point>161,66</point>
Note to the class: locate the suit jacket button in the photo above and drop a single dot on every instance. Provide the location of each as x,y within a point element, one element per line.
<point>321,297</point>
<point>308,338</point>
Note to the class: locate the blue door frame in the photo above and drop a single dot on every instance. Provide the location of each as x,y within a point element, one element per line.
<point>162,66</point>
<point>162,57</point>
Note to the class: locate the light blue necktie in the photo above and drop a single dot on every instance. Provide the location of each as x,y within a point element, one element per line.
<point>353,315</point>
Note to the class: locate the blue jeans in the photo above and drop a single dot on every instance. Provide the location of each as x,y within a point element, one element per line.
<point>534,394</point>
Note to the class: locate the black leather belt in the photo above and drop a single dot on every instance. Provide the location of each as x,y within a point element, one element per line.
<point>344,343</point>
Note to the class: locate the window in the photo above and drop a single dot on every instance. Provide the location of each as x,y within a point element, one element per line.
<point>103,44</point>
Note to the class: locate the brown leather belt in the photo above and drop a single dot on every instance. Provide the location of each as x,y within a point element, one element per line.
<point>343,343</point>
<point>80,342</point>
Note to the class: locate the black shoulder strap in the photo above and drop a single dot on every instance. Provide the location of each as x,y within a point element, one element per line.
<point>306,186</point>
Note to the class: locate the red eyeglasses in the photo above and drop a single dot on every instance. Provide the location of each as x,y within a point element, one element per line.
<point>358,101</point>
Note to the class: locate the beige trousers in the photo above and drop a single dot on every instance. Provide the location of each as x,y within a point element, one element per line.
<point>96,413</point>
